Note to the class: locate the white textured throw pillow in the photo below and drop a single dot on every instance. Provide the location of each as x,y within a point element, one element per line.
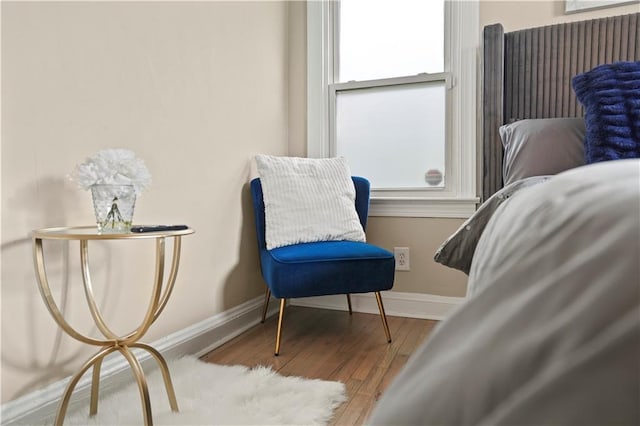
<point>308,200</point>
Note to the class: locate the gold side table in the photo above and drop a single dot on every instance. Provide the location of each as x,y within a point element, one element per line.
<point>112,342</point>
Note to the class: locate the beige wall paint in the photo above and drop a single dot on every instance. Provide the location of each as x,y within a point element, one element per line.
<point>297,78</point>
<point>423,236</point>
<point>196,89</point>
<point>516,15</point>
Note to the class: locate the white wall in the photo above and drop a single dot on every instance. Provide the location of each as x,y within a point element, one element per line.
<point>196,89</point>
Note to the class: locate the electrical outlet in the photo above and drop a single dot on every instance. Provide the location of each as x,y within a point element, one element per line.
<point>402,258</point>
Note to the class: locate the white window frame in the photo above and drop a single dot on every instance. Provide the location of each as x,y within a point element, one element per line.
<point>458,198</point>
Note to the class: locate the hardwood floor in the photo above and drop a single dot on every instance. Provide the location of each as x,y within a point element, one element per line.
<point>331,345</point>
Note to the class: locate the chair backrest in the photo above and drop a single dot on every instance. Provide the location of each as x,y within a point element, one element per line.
<point>362,205</point>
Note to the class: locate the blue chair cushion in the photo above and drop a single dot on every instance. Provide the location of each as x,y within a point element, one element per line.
<point>324,268</point>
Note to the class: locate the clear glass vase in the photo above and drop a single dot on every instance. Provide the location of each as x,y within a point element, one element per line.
<point>113,206</point>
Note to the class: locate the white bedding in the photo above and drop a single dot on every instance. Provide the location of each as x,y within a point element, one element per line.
<point>550,333</point>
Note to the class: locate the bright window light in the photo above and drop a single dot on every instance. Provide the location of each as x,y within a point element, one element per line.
<point>394,135</point>
<point>390,38</point>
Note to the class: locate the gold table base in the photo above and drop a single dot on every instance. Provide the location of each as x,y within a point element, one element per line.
<point>112,343</point>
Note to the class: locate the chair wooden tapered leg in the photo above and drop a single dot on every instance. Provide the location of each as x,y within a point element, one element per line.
<point>267,296</point>
<point>279,333</point>
<point>349,303</point>
<point>383,316</point>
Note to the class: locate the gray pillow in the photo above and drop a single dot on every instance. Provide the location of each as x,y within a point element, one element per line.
<point>537,147</point>
<point>457,250</point>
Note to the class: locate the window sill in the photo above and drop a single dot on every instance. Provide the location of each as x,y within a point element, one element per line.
<point>423,207</point>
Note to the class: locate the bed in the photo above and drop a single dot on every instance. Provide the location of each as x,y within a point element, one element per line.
<point>550,331</point>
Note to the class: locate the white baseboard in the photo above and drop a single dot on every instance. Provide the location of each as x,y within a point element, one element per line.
<point>410,305</point>
<point>207,335</point>
<point>195,340</point>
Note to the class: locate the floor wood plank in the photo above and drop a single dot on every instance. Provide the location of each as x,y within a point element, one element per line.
<point>331,345</point>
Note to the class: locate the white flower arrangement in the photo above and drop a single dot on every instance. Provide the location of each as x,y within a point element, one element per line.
<point>112,166</point>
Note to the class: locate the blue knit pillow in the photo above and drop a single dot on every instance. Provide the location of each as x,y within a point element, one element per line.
<point>610,94</point>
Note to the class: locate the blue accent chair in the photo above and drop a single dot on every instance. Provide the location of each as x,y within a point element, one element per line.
<point>323,268</point>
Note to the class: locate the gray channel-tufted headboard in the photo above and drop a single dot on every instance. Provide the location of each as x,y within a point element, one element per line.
<point>527,74</point>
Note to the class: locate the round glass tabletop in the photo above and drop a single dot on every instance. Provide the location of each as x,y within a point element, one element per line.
<point>91,233</point>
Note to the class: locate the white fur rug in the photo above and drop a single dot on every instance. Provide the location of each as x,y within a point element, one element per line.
<point>210,394</point>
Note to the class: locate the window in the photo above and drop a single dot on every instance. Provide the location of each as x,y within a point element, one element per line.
<point>392,132</point>
<point>381,38</point>
<point>385,90</point>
